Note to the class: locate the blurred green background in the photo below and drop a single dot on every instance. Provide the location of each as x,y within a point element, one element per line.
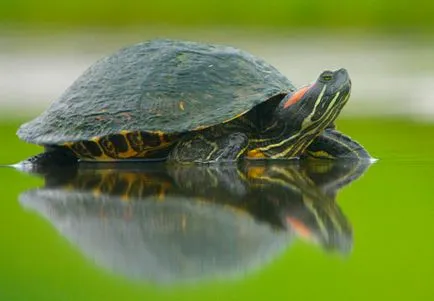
<point>388,48</point>
<point>332,14</point>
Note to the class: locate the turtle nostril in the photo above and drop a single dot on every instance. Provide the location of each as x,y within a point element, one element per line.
<point>342,71</point>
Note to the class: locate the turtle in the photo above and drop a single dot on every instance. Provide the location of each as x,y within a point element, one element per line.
<point>191,102</point>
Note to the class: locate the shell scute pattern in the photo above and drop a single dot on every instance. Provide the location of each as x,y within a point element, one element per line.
<point>125,145</point>
<point>161,85</point>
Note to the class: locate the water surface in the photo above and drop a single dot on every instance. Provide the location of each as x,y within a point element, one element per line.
<point>280,231</point>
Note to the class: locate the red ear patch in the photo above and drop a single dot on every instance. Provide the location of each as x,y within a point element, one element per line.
<point>296,96</point>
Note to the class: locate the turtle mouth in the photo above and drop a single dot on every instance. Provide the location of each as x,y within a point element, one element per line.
<point>342,79</point>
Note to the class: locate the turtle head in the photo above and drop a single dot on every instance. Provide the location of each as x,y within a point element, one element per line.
<point>309,110</point>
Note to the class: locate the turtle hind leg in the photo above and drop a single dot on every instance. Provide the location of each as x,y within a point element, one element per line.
<point>332,144</point>
<point>207,148</point>
<point>51,157</point>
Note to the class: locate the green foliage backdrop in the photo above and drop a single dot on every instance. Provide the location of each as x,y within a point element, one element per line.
<point>331,14</point>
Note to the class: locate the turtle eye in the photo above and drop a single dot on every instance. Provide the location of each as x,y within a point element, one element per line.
<point>327,77</point>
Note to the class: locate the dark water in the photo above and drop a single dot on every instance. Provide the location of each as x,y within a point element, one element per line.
<point>258,231</point>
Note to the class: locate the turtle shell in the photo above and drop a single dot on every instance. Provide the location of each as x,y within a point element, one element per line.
<point>160,85</point>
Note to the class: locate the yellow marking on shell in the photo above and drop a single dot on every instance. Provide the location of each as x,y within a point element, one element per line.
<point>201,127</point>
<point>79,154</point>
<point>155,132</point>
<point>69,145</point>
<point>130,153</point>
<point>102,157</point>
<point>162,136</point>
<point>235,117</point>
<point>181,105</point>
<point>255,154</point>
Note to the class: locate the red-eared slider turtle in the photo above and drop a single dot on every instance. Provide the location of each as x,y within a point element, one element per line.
<point>191,102</point>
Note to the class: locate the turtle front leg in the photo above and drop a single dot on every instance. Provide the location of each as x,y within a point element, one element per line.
<point>207,148</point>
<point>332,144</point>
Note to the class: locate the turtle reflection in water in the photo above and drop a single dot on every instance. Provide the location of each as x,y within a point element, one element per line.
<point>184,223</point>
